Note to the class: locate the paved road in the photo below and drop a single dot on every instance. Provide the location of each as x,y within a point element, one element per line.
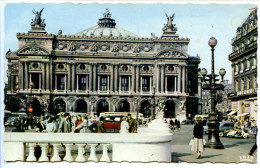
<point>234,148</point>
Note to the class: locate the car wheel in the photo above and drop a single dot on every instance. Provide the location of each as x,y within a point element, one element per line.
<point>221,134</point>
<point>93,128</point>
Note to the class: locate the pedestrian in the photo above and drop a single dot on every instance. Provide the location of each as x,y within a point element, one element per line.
<point>40,127</point>
<point>124,127</point>
<point>100,126</point>
<point>25,122</point>
<point>197,142</point>
<point>51,127</point>
<point>171,124</point>
<point>65,124</point>
<point>132,124</point>
<point>78,122</point>
<point>178,124</point>
<point>253,149</point>
<point>83,126</point>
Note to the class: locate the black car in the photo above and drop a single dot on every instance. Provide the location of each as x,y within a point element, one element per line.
<point>187,122</point>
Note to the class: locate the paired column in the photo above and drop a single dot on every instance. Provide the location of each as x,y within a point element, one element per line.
<point>183,79</point>
<point>116,77</point>
<point>91,78</point>
<point>133,79</point>
<point>179,79</point>
<point>73,76</point>
<point>112,79</point>
<point>26,76</point>
<point>137,78</point>
<point>43,76</point>
<point>162,78</point>
<point>69,77</point>
<point>48,77</point>
<point>94,77</point>
<point>21,69</point>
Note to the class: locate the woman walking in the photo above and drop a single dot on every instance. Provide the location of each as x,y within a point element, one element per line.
<point>124,128</point>
<point>198,143</point>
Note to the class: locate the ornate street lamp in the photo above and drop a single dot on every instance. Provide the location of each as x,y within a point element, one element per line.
<point>209,83</point>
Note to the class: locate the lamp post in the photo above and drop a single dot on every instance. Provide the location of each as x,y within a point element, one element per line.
<point>209,83</point>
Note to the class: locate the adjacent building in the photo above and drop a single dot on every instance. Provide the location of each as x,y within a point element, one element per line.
<point>102,68</point>
<point>244,69</point>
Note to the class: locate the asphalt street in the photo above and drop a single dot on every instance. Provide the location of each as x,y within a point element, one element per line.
<point>234,148</point>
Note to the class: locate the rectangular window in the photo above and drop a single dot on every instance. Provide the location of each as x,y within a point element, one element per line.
<point>146,83</point>
<point>82,82</point>
<point>103,83</point>
<point>170,83</point>
<point>124,83</point>
<point>61,82</point>
<point>35,80</point>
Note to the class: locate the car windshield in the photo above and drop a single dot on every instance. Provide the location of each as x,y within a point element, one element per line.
<point>12,119</point>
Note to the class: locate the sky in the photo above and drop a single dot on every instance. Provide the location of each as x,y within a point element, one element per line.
<point>198,22</point>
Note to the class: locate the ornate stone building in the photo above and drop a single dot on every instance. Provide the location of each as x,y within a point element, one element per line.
<point>103,68</point>
<point>244,68</point>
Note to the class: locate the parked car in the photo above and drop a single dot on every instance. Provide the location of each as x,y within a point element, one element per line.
<point>111,124</point>
<point>224,127</point>
<point>12,121</point>
<point>187,122</point>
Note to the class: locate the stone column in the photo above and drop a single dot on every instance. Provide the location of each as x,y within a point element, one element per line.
<point>52,75</point>
<point>112,78</point>
<point>73,77</point>
<point>21,75</point>
<point>116,78</point>
<point>47,77</point>
<point>133,79</point>
<point>183,79</point>
<point>94,77</point>
<point>158,78</point>
<point>179,79</point>
<point>175,83</point>
<point>154,79</point>
<point>43,76</point>
<point>90,77</point>
<point>69,77</point>
<point>137,78</point>
<point>55,82</point>
<point>162,78</point>
<point>26,76</point>
<point>40,81</point>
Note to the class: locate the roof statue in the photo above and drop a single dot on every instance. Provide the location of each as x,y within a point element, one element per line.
<point>37,23</point>
<point>107,14</point>
<point>169,20</point>
<point>37,19</point>
<point>169,29</point>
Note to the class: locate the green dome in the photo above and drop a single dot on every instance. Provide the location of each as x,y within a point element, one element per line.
<point>106,27</point>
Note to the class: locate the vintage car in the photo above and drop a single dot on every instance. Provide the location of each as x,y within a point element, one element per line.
<point>224,127</point>
<point>111,124</point>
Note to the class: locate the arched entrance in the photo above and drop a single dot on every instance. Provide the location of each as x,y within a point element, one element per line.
<point>82,106</point>
<point>36,107</point>
<point>123,106</point>
<point>102,106</point>
<point>146,109</point>
<point>59,106</point>
<point>169,111</point>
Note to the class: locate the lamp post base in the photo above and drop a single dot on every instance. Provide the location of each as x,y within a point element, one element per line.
<point>215,145</point>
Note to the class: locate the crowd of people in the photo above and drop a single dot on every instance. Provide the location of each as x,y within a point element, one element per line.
<point>174,124</point>
<point>65,123</point>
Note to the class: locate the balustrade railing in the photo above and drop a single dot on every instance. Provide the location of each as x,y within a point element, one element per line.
<point>83,147</point>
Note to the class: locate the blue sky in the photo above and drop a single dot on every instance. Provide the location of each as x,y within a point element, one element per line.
<point>198,22</point>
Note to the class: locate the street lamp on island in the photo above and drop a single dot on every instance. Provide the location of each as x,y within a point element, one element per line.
<point>209,83</point>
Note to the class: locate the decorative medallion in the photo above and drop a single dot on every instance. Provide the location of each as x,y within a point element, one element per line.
<point>125,48</point>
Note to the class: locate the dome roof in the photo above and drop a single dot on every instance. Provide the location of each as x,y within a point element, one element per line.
<point>106,27</point>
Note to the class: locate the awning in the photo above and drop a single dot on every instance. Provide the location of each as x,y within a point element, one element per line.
<point>232,113</point>
<point>244,114</point>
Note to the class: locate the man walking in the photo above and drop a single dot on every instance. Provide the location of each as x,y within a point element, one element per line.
<point>132,124</point>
